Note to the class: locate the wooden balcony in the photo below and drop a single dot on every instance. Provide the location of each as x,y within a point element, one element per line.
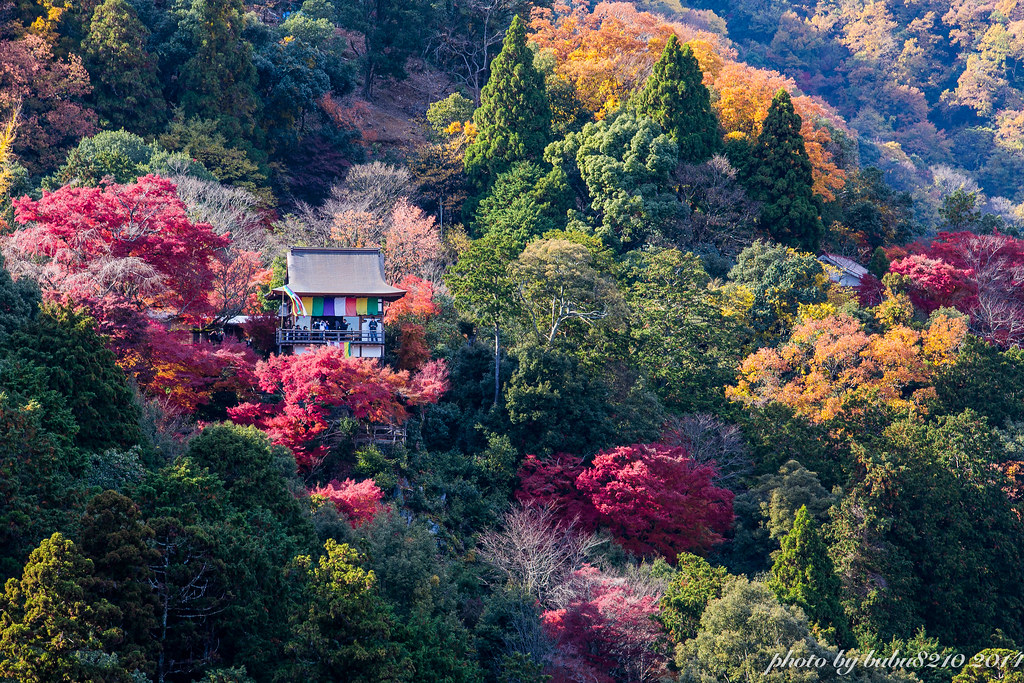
<point>380,434</point>
<point>292,337</point>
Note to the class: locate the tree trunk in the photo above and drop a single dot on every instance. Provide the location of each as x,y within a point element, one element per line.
<point>368,76</point>
<point>497,363</point>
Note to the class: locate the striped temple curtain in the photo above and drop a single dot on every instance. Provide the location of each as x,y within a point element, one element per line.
<point>320,306</point>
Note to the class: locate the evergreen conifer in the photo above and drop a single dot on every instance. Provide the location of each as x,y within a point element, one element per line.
<point>675,97</point>
<point>514,118</point>
<point>219,79</point>
<point>803,575</point>
<point>782,179</point>
<point>125,87</point>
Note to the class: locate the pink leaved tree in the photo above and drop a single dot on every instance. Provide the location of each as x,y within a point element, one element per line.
<point>358,501</point>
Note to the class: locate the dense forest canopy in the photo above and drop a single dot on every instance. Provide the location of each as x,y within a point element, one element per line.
<point>709,351</point>
<point>932,89</point>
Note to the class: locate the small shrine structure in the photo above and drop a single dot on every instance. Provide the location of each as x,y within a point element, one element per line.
<point>334,297</point>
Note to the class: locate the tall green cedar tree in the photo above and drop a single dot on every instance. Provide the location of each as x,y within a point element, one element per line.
<point>119,543</point>
<point>218,80</point>
<point>803,575</point>
<point>125,88</point>
<point>879,263</point>
<point>49,631</point>
<point>524,202</point>
<point>675,96</point>
<point>64,345</point>
<point>694,584</point>
<point>514,118</point>
<point>782,179</point>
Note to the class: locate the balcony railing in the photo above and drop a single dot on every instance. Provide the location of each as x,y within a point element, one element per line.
<point>292,336</point>
<point>382,434</point>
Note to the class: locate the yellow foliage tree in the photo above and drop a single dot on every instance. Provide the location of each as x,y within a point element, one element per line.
<point>7,136</point>
<point>831,364</point>
<point>607,53</point>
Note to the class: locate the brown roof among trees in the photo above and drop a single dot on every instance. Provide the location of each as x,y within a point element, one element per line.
<point>339,272</point>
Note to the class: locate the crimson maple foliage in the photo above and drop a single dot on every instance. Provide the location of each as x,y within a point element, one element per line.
<point>189,374</point>
<point>653,498</point>
<point>410,315</point>
<point>358,501</point>
<point>124,327</point>
<point>132,241</point>
<point>162,361</point>
<point>936,283</point>
<point>413,351</point>
<point>131,256</point>
<point>870,291</point>
<point>319,388</point>
<point>261,330</point>
<point>551,484</point>
<point>980,275</point>
<point>606,626</point>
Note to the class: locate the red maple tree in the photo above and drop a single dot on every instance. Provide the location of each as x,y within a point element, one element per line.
<point>934,282</point>
<point>317,390</point>
<point>133,242</point>
<point>188,375</point>
<point>980,275</point>
<point>358,501</point>
<point>131,256</point>
<point>653,498</point>
<point>606,626</point>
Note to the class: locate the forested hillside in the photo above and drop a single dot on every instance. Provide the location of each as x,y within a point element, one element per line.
<point>709,351</point>
<point>933,89</point>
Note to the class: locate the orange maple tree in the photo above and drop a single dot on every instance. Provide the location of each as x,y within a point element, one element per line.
<point>609,52</point>
<point>830,364</point>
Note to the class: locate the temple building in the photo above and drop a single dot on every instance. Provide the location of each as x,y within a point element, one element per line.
<point>844,271</point>
<point>334,297</point>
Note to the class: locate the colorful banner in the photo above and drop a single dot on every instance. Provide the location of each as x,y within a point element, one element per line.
<point>319,306</point>
<point>297,304</point>
<point>348,349</point>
